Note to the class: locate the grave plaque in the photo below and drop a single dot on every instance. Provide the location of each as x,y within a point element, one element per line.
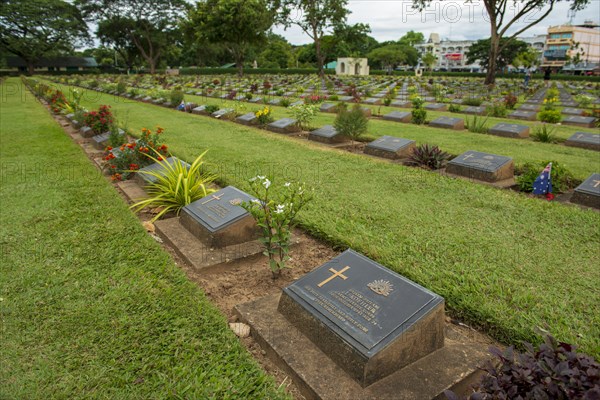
<point>328,107</point>
<point>529,107</point>
<point>510,130</point>
<point>284,125</point>
<point>346,98</point>
<point>368,319</point>
<point>390,147</point>
<point>200,110</point>
<point>398,116</point>
<point>584,140</point>
<point>101,141</point>
<point>436,107</point>
<point>218,219</point>
<point>572,111</point>
<point>222,112</point>
<point>401,104</point>
<point>586,122</point>
<point>247,119</point>
<point>145,179</point>
<point>297,103</point>
<point>524,115</point>
<point>372,101</point>
<point>588,193</point>
<point>255,100</point>
<point>86,132</point>
<point>274,102</point>
<point>482,166</point>
<point>474,110</point>
<point>456,124</point>
<point>326,134</point>
<point>70,117</point>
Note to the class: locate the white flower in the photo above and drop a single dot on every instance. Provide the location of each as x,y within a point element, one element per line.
<point>255,201</point>
<point>267,183</point>
<point>279,209</point>
<point>261,177</point>
<point>287,184</point>
<point>253,179</point>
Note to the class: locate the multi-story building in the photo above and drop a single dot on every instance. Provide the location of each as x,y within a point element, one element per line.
<point>566,41</point>
<point>537,43</point>
<point>450,54</point>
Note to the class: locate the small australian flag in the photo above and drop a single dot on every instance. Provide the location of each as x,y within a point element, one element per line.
<point>543,183</point>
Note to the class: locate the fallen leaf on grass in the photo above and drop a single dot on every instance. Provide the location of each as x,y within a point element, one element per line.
<point>149,226</point>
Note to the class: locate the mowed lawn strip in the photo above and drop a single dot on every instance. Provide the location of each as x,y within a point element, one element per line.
<point>503,261</point>
<point>91,306</point>
<point>581,162</point>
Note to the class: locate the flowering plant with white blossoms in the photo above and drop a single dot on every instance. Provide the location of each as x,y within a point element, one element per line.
<point>275,210</point>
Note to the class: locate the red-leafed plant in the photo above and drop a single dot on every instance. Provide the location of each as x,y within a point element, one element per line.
<point>552,371</point>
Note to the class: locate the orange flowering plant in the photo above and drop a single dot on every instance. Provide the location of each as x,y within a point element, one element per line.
<point>129,157</point>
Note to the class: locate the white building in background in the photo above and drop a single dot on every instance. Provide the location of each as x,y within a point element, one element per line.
<point>451,54</point>
<point>537,43</point>
<point>352,66</point>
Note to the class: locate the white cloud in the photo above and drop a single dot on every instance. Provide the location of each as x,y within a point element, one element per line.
<point>456,20</point>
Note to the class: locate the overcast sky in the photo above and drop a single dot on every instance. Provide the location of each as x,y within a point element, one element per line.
<point>390,19</point>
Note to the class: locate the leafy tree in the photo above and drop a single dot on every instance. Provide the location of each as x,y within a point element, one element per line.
<point>502,15</point>
<point>151,25</point>
<point>316,18</point>
<point>352,40</point>
<point>429,59</point>
<point>480,50</point>
<point>32,29</point>
<point>236,24</point>
<point>394,54</point>
<point>528,58</point>
<point>277,53</point>
<point>412,38</point>
<point>113,33</point>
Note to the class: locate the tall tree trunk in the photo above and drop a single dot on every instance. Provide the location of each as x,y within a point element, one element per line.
<point>490,77</point>
<point>152,64</point>
<point>30,67</point>
<point>318,52</point>
<point>240,67</point>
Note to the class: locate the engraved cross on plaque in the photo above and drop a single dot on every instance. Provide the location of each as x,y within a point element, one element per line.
<point>214,197</point>
<point>336,274</point>
<point>465,158</point>
<point>597,183</point>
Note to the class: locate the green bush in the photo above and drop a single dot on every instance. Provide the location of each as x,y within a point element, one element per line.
<point>352,124</point>
<point>497,109</point>
<point>454,108</point>
<point>176,96</point>
<point>562,179</point>
<point>419,114</point>
<point>211,108</point>
<point>476,124</point>
<point>549,116</point>
<point>544,134</point>
<point>472,101</point>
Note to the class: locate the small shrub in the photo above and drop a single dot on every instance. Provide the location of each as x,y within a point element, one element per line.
<point>352,124</point>
<point>121,86</point>
<point>248,96</point>
<point>584,100</point>
<point>100,121</point>
<point>176,96</point>
<point>497,109</point>
<point>472,101</point>
<point>133,156</point>
<point>285,102</point>
<point>544,134</point>
<point>549,116</point>
<point>510,101</point>
<point>211,108</point>
<point>553,371</point>
<point>275,211</point>
<point>264,116</point>
<point>427,156</point>
<point>333,98</point>
<point>304,114</point>
<point>419,114</point>
<point>314,99</point>
<point>562,179</point>
<point>476,124</point>
<point>454,108</point>
<point>176,185</point>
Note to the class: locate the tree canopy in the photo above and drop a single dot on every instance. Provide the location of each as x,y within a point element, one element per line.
<point>31,34</point>
<point>480,50</point>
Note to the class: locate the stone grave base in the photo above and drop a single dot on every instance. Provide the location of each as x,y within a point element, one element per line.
<point>452,367</point>
<point>285,131</point>
<point>583,145</point>
<point>401,154</point>
<point>585,199</point>
<point>132,191</point>
<point>502,183</point>
<point>581,124</point>
<point>337,139</point>
<point>197,254</point>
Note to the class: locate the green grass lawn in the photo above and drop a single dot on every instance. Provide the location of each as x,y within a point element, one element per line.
<point>581,162</point>
<point>91,307</point>
<point>503,261</point>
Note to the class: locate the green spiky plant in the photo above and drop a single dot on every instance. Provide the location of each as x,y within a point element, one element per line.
<point>427,156</point>
<point>176,185</point>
